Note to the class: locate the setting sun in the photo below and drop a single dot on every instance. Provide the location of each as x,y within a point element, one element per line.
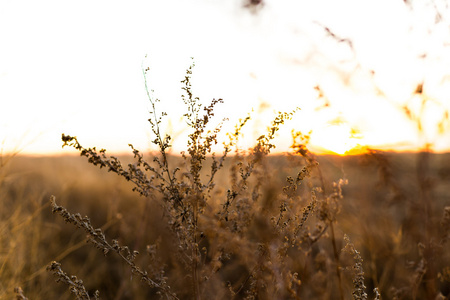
<point>336,139</point>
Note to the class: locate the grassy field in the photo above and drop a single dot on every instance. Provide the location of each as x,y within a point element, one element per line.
<point>392,210</point>
<point>241,224</point>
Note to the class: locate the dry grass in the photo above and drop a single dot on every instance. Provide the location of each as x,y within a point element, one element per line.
<point>239,225</point>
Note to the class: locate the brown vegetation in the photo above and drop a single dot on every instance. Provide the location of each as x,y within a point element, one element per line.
<point>244,226</point>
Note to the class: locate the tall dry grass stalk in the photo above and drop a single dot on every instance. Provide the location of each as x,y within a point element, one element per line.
<point>260,235</point>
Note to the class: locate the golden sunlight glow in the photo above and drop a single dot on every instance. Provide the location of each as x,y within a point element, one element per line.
<point>336,139</point>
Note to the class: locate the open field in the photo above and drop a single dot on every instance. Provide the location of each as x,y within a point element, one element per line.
<point>392,210</point>
<point>213,209</point>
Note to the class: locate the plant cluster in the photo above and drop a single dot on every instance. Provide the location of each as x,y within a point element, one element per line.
<point>241,239</point>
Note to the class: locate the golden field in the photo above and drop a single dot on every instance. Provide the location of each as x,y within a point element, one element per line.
<point>240,224</point>
<point>392,209</point>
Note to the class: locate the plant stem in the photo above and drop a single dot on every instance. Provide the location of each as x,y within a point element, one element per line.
<point>336,257</point>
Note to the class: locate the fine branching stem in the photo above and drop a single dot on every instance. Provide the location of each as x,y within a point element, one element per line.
<point>238,239</point>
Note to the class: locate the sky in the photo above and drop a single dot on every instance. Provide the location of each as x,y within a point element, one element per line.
<point>353,67</point>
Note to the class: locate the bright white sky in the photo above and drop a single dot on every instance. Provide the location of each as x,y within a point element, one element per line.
<point>74,67</point>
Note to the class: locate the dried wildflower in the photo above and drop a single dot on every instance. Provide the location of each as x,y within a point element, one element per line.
<point>98,239</point>
<point>261,232</point>
<point>445,226</point>
<point>76,285</point>
<point>377,294</point>
<point>359,292</point>
<point>19,294</point>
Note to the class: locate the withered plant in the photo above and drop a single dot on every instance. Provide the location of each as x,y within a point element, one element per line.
<point>240,239</point>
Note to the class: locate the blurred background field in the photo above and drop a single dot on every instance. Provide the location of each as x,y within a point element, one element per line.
<point>383,211</point>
